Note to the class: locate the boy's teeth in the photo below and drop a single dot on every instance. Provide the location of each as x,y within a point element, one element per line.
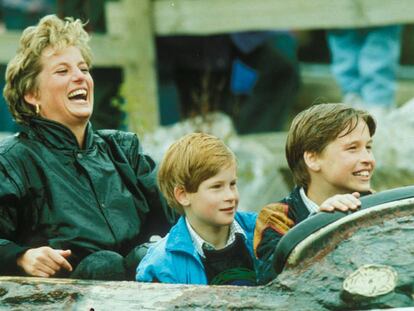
<point>362,173</point>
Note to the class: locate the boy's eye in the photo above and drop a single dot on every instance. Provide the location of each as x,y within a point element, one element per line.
<point>233,183</point>
<point>85,70</point>
<point>216,186</point>
<point>61,71</point>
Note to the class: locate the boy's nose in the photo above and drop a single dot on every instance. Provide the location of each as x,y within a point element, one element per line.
<point>232,194</point>
<point>368,156</point>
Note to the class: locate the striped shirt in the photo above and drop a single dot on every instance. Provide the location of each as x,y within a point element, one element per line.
<point>312,207</point>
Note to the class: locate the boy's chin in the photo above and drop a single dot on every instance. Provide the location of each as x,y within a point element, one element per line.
<point>362,189</point>
<point>226,222</point>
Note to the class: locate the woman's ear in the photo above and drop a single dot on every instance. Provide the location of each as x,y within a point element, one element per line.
<point>30,98</point>
<point>311,160</point>
<point>181,196</point>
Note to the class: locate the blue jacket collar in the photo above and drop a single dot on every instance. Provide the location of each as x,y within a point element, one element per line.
<point>179,238</point>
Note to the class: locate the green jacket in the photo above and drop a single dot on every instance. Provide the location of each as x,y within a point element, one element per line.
<point>102,197</point>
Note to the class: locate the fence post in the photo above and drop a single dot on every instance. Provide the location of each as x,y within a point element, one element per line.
<point>140,86</point>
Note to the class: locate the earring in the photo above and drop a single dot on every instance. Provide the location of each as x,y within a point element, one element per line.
<point>37,109</point>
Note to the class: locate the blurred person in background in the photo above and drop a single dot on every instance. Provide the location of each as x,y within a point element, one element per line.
<point>251,76</point>
<point>364,63</point>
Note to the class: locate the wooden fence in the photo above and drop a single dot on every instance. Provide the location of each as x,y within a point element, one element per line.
<point>132,25</point>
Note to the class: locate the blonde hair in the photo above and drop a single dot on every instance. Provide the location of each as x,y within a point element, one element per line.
<point>23,69</point>
<point>314,128</point>
<point>190,161</point>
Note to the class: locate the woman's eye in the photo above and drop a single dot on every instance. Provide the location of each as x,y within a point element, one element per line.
<point>61,71</point>
<point>85,70</point>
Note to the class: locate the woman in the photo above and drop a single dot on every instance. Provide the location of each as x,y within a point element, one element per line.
<point>73,202</point>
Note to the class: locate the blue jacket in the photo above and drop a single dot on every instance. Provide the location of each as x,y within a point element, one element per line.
<point>174,259</point>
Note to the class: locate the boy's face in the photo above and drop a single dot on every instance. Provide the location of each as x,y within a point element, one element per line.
<point>215,202</point>
<point>347,163</point>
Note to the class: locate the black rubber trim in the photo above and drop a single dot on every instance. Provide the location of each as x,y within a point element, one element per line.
<point>316,222</point>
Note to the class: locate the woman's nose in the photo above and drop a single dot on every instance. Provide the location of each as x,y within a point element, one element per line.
<point>78,74</point>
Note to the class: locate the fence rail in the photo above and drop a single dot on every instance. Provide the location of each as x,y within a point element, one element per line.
<point>215,16</point>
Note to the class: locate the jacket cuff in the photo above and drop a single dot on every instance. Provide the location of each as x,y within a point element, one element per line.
<point>8,258</point>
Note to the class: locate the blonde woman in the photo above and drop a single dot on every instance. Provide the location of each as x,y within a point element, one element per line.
<point>73,202</point>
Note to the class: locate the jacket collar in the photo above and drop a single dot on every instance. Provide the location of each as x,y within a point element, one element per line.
<point>312,207</point>
<point>56,135</point>
<point>298,206</point>
<point>179,239</point>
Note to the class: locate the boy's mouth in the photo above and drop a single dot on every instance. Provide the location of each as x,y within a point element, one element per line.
<point>227,209</point>
<point>362,173</point>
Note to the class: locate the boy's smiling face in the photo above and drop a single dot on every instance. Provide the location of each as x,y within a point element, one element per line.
<point>346,164</point>
<point>215,202</point>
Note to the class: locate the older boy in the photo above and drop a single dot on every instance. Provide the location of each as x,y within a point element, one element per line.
<point>212,242</point>
<point>328,150</point>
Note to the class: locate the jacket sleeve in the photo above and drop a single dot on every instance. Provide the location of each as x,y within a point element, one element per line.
<point>141,171</point>
<point>9,202</point>
<point>160,215</point>
<point>271,225</point>
<point>156,266</point>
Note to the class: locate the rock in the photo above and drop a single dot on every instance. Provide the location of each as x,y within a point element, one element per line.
<point>393,148</point>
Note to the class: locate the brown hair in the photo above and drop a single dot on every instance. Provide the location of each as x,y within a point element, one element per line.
<point>190,161</point>
<point>314,128</point>
<point>23,69</point>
